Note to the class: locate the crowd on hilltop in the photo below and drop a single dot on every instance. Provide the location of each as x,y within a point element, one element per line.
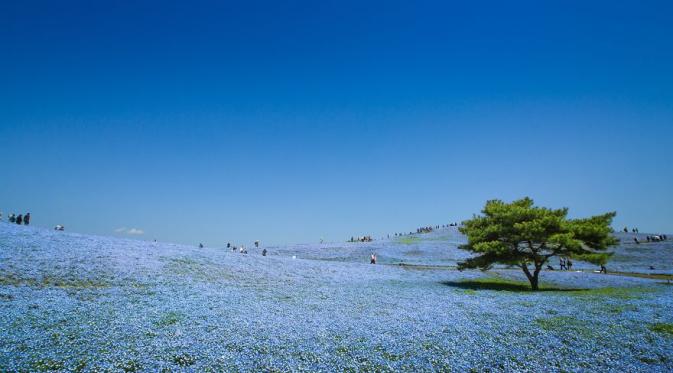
<point>429,229</point>
<point>241,249</point>
<point>361,239</point>
<point>420,230</point>
<point>18,219</point>
<point>24,219</point>
<point>652,238</point>
<point>657,238</point>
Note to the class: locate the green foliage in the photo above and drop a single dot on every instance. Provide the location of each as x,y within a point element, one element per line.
<point>522,234</point>
<point>184,360</point>
<point>565,324</point>
<point>408,240</point>
<point>46,365</point>
<point>502,284</point>
<point>169,318</point>
<point>67,282</point>
<point>130,366</point>
<point>663,328</point>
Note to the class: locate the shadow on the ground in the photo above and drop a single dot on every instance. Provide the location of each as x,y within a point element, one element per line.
<point>500,285</point>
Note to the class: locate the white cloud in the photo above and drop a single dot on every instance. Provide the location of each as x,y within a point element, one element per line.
<point>132,231</point>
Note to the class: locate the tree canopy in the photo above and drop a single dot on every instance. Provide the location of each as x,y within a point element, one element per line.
<point>525,235</point>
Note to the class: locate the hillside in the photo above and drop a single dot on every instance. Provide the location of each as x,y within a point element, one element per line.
<point>78,302</point>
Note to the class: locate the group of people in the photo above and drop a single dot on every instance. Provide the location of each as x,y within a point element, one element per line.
<point>654,238</point>
<point>18,219</point>
<point>420,230</point>
<point>565,264</point>
<point>243,250</point>
<point>657,238</point>
<point>24,219</point>
<point>427,229</point>
<point>361,239</point>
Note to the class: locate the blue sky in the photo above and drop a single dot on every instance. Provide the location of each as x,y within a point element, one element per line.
<point>295,121</point>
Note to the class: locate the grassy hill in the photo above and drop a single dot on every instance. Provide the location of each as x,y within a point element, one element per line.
<point>84,303</point>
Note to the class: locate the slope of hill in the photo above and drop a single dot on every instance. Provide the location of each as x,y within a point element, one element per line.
<point>440,248</point>
<point>78,302</point>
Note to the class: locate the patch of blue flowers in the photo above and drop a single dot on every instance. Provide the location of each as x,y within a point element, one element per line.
<point>71,302</point>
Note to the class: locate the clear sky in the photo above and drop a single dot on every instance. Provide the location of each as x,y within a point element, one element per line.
<point>289,121</point>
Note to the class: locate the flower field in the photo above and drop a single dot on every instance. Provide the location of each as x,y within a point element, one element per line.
<point>71,302</point>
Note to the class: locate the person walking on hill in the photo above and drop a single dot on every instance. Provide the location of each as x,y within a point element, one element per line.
<point>19,219</point>
<point>26,219</point>
<point>372,259</point>
<point>569,264</point>
<point>12,218</point>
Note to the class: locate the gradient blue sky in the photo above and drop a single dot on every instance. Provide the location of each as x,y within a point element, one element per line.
<point>291,121</point>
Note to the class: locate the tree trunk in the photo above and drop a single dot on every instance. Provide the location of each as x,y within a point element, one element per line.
<point>534,282</point>
<point>532,277</point>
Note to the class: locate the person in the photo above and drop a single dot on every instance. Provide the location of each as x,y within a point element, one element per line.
<point>200,246</point>
<point>648,238</point>
<point>562,264</point>
<point>626,230</point>
<point>0,215</point>
<point>257,243</point>
<point>19,219</point>
<point>233,249</point>
<point>372,259</point>
<point>636,240</point>
<point>228,245</point>
<point>26,219</point>
<point>603,269</point>
<point>569,264</point>
<point>264,252</point>
<point>664,237</point>
<point>241,250</point>
<point>12,218</point>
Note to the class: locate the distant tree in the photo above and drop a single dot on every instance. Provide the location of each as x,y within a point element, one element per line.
<point>526,236</point>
